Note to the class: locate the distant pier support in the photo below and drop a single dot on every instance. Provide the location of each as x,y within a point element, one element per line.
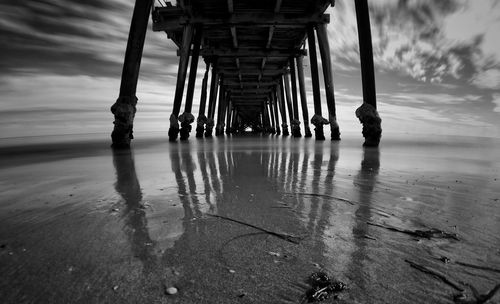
<point>229,112</point>
<point>281,102</point>
<point>202,118</point>
<point>367,112</point>
<point>173,131</point>
<point>214,87</point>
<point>295,124</point>
<point>125,106</point>
<point>324,48</point>
<point>186,118</point>
<point>219,128</point>
<point>303,97</point>
<point>317,120</point>
<point>274,106</point>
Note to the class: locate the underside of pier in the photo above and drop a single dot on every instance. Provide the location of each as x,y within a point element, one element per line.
<point>253,52</point>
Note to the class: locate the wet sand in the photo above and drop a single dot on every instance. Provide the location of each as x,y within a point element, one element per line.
<point>81,223</point>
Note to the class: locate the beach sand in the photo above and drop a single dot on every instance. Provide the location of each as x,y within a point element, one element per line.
<point>81,223</point>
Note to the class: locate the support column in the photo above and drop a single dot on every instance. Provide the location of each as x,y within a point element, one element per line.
<point>187,118</point>
<point>286,90</point>
<point>234,123</point>
<point>295,124</point>
<point>269,109</point>
<point>281,103</point>
<point>274,100</point>
<point>181,80</point>
<point>303,96</point>
<point>324,48</point>
<point>367,112</point>
<point>202,119</point>
<point>125,106</point>
<point>266,122</point>
<point>214,86</point>
<point>229,112</point>
<point>219,129</point>
<point>317,120</point>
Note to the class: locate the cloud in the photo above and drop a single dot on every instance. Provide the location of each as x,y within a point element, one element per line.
<point>86,37</point>
<point>488,79</point>
<point>496,102</point>
<point>449,41</point>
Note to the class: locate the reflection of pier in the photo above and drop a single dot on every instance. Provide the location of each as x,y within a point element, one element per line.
<point>212,180</point>
<point>253,53</point>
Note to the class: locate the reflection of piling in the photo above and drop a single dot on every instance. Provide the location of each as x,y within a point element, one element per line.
<point>366,180</point>
<point>127,185</point>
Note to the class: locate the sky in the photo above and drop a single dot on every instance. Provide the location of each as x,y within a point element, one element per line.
<point>437,67</point>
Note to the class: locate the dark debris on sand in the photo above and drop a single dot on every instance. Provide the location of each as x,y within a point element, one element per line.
<point>322,288</point>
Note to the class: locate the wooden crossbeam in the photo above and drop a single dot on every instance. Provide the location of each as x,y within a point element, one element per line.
<point>234,37</point>
<point>255,72</point>
<point>249,83</point>
<point>252,53</point>
<point>237,92</point>
<point>171,22</point>
<point>246,98</point>
<point>277,6</point>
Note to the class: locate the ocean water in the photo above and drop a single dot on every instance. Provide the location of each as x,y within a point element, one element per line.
<point>81,222</point>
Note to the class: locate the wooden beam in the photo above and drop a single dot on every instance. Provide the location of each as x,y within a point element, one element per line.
<point>249,91</point>
<point>166,22</point>
<point>122,131</point>
<point>250,96</point>
<point>288,96</point>
<point>252,52</point>
<point>366,52</point>
<point>256,72</point>
<point>277,6</point>
<point>203,97</point>
<point>249,83</point>
<point>214,83</point>
<point>234,37</point>
<point>194,66</point>
<point>270,36</point>
<point>182,68</point>
<point>281,103</point>
<point>294,89</point>
<point>324,48</point>
<point>302,90</point>
<point>313,58</point>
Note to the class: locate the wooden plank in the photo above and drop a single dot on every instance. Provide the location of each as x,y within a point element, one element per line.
<point>249,91</point>
<point>302,89</point>
<point>220,52</point>
<point>182,69</point>
<point>234,37</point>
<point>270,36</point>
<point>169,23</point>
<point>294,88</point>
<point>249,83</point>
<point>313,58</point>
<point>324,48</point>
<point>256,72</point>
<point>366,52</point>
<point>194,66</point>
<point>277,6</point>
<point>203,97</point>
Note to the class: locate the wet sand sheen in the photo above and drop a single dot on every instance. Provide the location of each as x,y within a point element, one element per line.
<point>83,223</point>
